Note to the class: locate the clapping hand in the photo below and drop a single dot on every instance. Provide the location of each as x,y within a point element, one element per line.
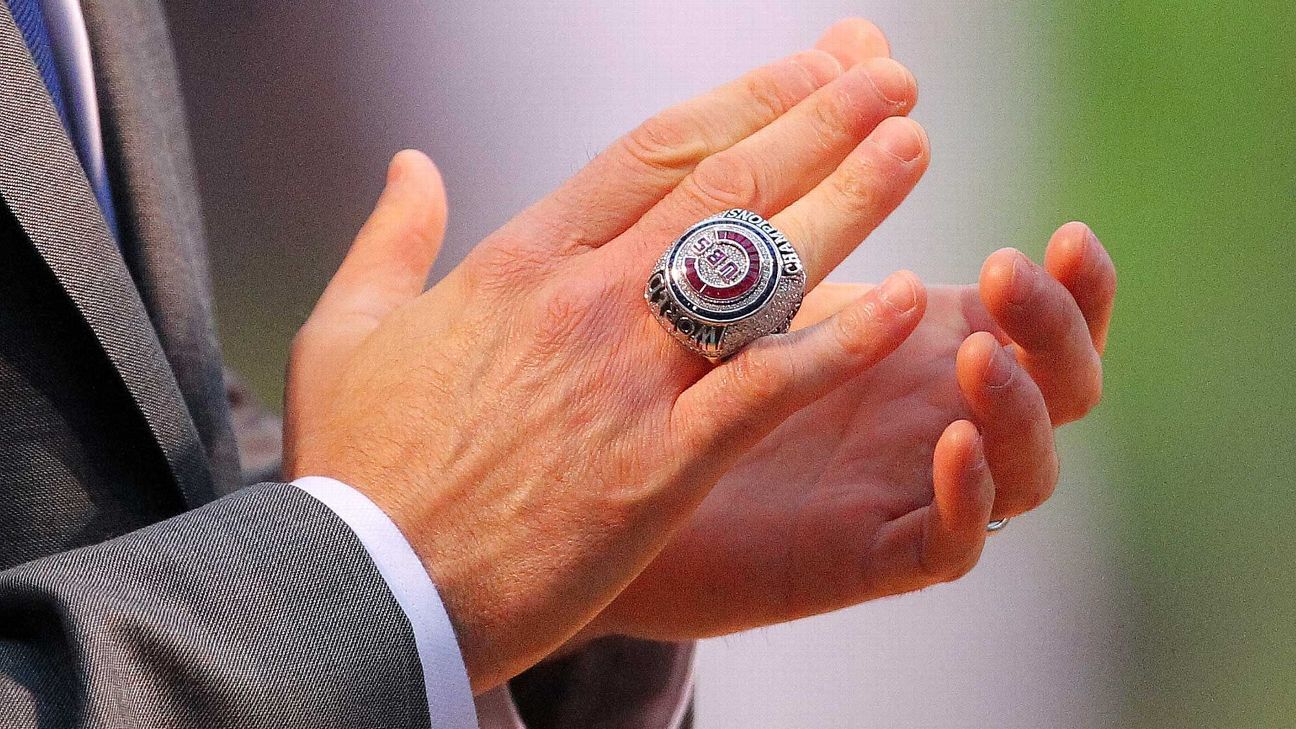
<point>886,485</point>
<point>544,444</point>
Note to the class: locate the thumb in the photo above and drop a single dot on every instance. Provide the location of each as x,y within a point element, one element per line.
<point>389,261</point>
<point>387,266</point>
<point>736,404</point>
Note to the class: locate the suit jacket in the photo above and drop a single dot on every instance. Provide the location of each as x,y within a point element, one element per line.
<point>142,581</point>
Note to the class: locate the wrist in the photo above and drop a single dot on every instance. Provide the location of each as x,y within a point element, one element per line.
<point>409,582</point>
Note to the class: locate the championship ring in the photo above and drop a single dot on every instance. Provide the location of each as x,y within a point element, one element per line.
<point>729,280</point>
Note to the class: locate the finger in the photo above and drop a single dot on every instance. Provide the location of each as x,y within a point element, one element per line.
<point>773,167</point>
<point>623,182</point>
<point>942,541</point>
<point>1079,262</point>
<point>824,300</point>
<point>1009,409</point>
<point>1053,340</point>
<point>387,266</point>
<point>832,219</point>
<point>852,40</point>
<point>737,403</point>
<point>389,261</point>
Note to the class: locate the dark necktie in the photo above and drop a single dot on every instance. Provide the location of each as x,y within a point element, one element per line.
<point>30,19</point>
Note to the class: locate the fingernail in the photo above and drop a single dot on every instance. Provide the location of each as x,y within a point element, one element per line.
<point>1022,284</point>
<point>1092,248</point>
<point>1000,370</point>
<point>898,292</point>
<point>900,139</point>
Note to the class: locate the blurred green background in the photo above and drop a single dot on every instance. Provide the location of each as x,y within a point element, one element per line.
<point>1175,134</point>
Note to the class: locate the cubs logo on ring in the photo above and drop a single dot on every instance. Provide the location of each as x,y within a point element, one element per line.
<point>728,280</point>
<point>723,270</point>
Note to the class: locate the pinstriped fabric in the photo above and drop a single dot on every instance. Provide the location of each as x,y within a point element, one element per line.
<point>59,215</point>
<point>258,611</point>
<point>160,221</point>
<point>78,464</point>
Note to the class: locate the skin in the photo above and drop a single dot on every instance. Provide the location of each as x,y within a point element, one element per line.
<point>885,485</point>
<point>550,452</point>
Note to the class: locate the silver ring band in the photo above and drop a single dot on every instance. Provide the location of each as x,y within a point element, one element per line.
<point>728,281</point>
<point>996,525</point>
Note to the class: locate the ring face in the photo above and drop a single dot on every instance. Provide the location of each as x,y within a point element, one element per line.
<point>729,280</point>
<point>719,273</point>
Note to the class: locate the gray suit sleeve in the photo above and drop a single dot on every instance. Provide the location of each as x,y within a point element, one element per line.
<point>616,683</point>
<point>261,609</point>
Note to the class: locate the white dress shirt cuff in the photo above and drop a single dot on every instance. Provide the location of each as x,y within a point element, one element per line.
<point>450,699</point>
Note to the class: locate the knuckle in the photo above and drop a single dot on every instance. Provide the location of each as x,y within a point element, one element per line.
<point>504,265</point>
<point>558,234</point>
<point>855,326</point>
<point>817,66</point>
<point>831,114</point>
<point>759,378</point>
<point>774,90</point>
<point>857,186</point>
<point>668,141</point>
<point>726,180</point>
<point>767,94</point>
<point>569,309</point>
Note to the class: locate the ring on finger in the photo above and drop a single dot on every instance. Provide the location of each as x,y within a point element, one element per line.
<point>727,281</point>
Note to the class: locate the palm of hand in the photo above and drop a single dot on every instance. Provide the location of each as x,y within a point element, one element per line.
<point>800,525</point>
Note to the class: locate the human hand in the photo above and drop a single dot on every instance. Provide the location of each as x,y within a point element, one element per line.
<point>886,485</point>
<point>528,426</point>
